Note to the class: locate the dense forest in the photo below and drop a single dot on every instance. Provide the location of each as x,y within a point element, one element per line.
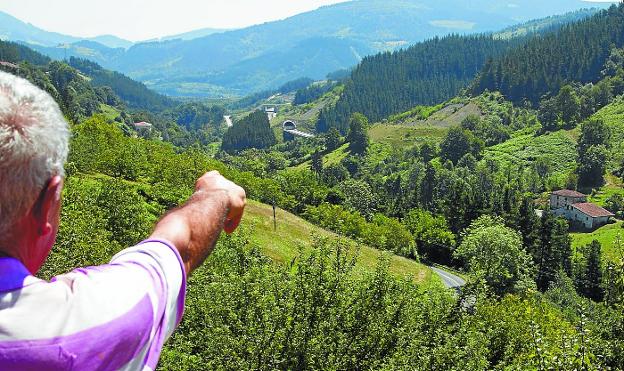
<point>252,131</point>
<point>577,52</point>
<point>312,92</point>
<point>424,74</point>
<point>135,94</point>
<point>431,72</point>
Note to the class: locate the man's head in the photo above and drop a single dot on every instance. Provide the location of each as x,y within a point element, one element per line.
<point>33,148</point>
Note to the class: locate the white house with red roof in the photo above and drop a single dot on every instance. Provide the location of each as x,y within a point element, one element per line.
<point>573,206</point>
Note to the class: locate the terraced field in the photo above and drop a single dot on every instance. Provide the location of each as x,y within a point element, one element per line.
<point>558,149</point>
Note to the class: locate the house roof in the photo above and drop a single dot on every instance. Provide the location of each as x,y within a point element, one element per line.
<point>568,193</point>
<point>592,210</point>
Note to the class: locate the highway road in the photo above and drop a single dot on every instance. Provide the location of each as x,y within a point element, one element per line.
<point>300,133</point>
<point>450,280</point>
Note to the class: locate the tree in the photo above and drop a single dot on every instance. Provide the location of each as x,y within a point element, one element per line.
<point>457,143</point>
<point>592,165</point>
<point>569,106</point>
<point>528,225</point>
<point>592,152</point>
<point>614,63</point>
<point>593,133</point>
<point>332,139</point>
<point>317,163</point>
<point>428,152</point>
<point>591,282</point>
<point>359,196</point>
<point>615,204</point>
<point>433,237</point>
<point>548,115</point>
<point>334,174</point>
<point>358,134</point>
<point>494,253</point>
<point>555,251</point>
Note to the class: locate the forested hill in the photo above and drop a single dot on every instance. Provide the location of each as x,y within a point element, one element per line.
<point>83,89</point>
<point>427,73</point>
<point>15,53</point>
<point>136,94</point>
<point>577,52</point>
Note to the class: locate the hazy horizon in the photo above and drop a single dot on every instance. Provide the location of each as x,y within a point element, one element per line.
<point>158,19</point>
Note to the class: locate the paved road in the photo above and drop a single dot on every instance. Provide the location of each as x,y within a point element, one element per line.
<point>300,133</point>
<point>450,280</point>
<point>228,121</point>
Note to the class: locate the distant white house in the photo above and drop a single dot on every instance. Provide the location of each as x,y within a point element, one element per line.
<point>9,65</point>
<point>573,206</point>
<point>271,112</point>
<point>142,125</point>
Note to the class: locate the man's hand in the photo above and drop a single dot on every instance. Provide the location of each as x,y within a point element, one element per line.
<point>194,228</point>
<point>213,182</point>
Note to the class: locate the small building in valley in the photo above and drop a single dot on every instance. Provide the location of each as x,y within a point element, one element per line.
<point>142,125</point>
<point>9,65</point>
<point>565,197</point>
<point>271,112</point>
<point>573,206</point>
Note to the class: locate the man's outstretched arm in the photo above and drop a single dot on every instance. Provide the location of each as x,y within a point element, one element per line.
<point>194,228</point>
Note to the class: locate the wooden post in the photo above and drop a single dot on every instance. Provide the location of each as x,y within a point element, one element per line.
<point>274,217</point>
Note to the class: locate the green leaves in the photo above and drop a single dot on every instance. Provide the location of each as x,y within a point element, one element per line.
<point>495,254</point>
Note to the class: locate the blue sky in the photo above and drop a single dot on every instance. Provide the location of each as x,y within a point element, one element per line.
<point>146,19</point>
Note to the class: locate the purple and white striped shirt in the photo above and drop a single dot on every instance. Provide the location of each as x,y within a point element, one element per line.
<point>111,317</point>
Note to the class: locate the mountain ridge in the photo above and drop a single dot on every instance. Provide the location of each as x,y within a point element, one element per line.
<point>212,64</point>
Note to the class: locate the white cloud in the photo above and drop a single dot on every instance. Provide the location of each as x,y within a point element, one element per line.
<point>145,19</point>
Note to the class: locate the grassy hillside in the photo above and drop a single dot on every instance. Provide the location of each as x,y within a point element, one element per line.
<point>558,149</point>
<point>293,233</point>
<point>613,116</point>
<point>607,236</point>
<point>405,135</point>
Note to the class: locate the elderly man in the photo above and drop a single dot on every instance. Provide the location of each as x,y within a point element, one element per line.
<point>110,317</point>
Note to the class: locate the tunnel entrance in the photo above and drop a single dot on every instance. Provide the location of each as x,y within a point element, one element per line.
<point>289,125</point>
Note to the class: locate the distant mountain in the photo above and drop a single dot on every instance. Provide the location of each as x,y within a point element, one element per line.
<point>264,56</point>
<point>310,44</point>
<point>112,41</point>
<point>191,35</point>
<point>13,29</point>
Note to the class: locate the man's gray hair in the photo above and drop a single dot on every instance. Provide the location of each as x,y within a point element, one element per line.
<point>34,140</point>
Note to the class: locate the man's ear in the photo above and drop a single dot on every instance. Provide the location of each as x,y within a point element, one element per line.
<point>48,202</point>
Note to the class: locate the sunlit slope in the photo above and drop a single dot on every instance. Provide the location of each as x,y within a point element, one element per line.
<point>293,233</point>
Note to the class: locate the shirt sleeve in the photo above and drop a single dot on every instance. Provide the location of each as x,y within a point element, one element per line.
<point>163,260</point>
<point>114,316</point>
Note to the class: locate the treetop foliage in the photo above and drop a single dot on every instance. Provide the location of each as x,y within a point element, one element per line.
<point>252,131</point>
